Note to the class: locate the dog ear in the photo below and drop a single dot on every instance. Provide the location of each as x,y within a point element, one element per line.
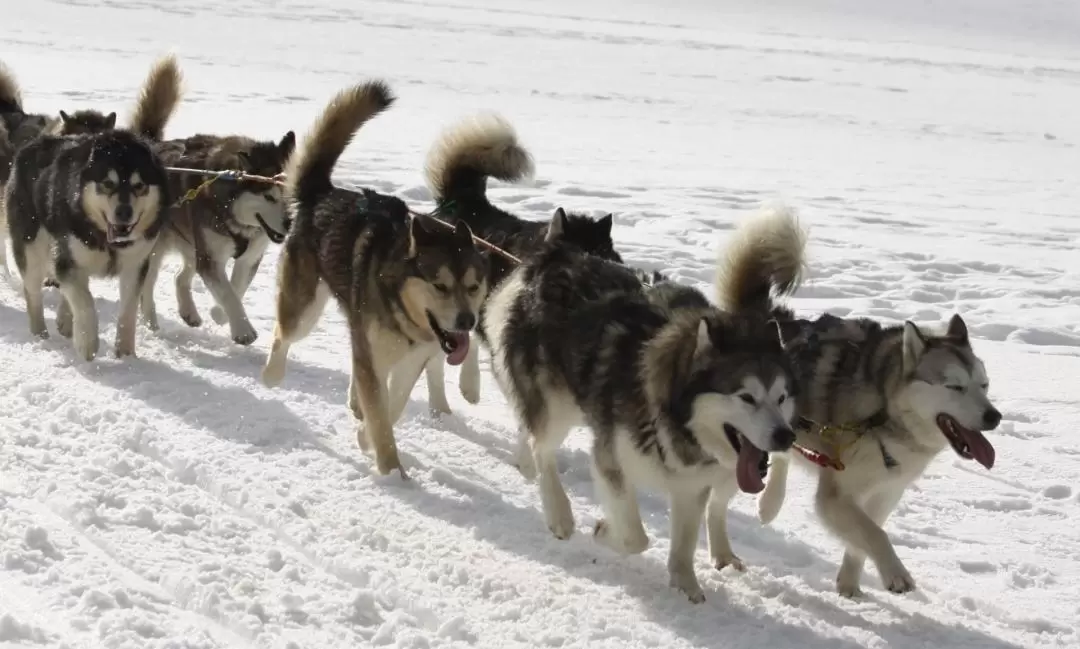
<point>419,235</point>
<point>957,330</point>
<point>604,225</point>
<point>914,346</point>
<point>245,160</point>
<point>557,226</point>
<point>463,234</point>
<point>704,340</point>
<point>64,117</point>
<point>287,145</point>
<point>110,120</point>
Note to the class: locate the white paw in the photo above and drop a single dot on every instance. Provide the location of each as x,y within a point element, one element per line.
<point>729,559</point>
<point>217,314</point>
<point>87,344</point>
<point>899,581</point>
<point>244,334</point>
<point>470,388</point>
<point>191,317</point>
<point>685,581</point>
<point>604,533</point>
<point>273,372</point>
<point>561,521</point>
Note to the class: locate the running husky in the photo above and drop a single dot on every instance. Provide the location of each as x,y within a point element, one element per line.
<point>406,286</point>
<point>87,206</point>
<point>681,396</point>
<point>458,166</point>
<point>884,401</point>
<point>226,220</point>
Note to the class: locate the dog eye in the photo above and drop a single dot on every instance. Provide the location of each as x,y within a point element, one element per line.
<point>442,288</point>
<point>955,388</point>
<point>474,289</point>
<point>108,185</point>
<point>985,386</point>
<point>747,399</point>
<point>139,188</point>
<point>781,400</point>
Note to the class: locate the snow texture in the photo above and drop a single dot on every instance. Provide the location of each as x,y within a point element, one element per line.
<point>173,501</point>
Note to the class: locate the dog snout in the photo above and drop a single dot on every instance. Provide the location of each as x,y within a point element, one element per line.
<point>991,418</point>
<point>124,212</point>
<point>782,438</point>
<point>465,321</point>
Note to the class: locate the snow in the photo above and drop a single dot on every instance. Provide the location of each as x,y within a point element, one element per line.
<point>173,501</point>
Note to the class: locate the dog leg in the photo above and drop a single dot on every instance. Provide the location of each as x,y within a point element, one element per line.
<point>772,499</point>
<point>213,276</point>
<point>76,290</point>
<point>243,271</point>
<point>370,385</point>
<point>132,282</point>
<point>185,302</point>
<point>621,528</point>
<point>63,318</point>
<point>878,508</point>
<point>687,509</point>
<point>549,432</point>
<point>525,462</point>
<point>435,374</point>
<point>301,298</point>
<point>862,536</point>
<point>469,379</point>
<point>402,379</point>
<point>716,525</point>
<point>147,305</point>
<point>32,263</point>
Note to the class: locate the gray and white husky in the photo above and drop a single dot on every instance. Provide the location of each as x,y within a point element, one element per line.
<point>681,397</point>
<point>884,401</point>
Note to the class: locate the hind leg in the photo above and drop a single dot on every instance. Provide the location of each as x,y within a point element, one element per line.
<point>301,298</point>
<point>435,374</point>
<point>63,317</point>
<point>621,528</point>
<point>32,260</point>
<point>550,428</point>
<point>716,526</point>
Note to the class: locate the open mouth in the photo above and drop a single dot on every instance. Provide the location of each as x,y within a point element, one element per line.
<point>454,343</point>
<point>119,234</point>
<point>273,234</point>
<point>968,444</point>
<point>753,463</point>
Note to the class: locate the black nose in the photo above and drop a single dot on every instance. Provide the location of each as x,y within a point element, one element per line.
<point>124,212</point>
<point>991,419</point>
<point>783,438</point>
<point>465,321</point>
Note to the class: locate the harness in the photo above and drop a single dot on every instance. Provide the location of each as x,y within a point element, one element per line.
<point>830,432</point>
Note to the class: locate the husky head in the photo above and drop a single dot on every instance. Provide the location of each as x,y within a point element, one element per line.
<point>736,395</point>
<point>84,122</point>
<point>946,391</point>
<point>447,285</point>
<point>260,205</point>
<point>591,236</point>
<point>124,189</point>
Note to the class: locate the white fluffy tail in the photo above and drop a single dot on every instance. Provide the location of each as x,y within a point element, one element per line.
<point>772,499</point>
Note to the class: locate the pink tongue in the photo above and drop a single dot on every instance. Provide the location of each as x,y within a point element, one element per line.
<point>979,447</point>
<point>746,468</point>
<point>461,349</point>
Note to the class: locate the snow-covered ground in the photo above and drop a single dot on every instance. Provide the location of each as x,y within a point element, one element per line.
<point>172,501</point>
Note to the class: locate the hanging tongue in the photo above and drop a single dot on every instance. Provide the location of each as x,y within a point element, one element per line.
<point>747,470</point>
<point>979,447</point>
<point>459,348</point>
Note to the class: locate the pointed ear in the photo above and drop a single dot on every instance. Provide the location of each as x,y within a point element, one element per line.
<point>245,160</point>
<point>704,337</point>
<point>110,120</point>
<point>557,226</point>
<point>914,346</point>
<point>604,225</point>
<point>958,330</point>
<point>787,331</point>
<point>287,145</point>
<point>65,117</point>
<point>419,235</point>
<point>463,234</point>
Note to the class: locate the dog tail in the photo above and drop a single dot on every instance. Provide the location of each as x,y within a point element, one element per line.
<point>765,255</point>
<point>10,94</point>
<point>158,99</point>
<point>775,489</point>
<point>310,166</point>
<point>469,152</point>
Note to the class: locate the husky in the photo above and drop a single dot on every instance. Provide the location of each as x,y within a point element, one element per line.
<point>405,285</point>
<point>681,396</point>
<point>86,206</point>
<point>457,168</point>
<point>226,220</point>
<point>883,401</point>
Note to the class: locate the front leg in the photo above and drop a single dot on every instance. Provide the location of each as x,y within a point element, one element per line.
<point>716,525</point>
<point>369,381</point>
<point>146,298</point>
<point>435,374</point>
<point>132,282</point>
<point>243,272</point>
<point>469,381</point>
<point>878,508</point>
<point>402,379</point>
<point>75,288</point>
<point>212,273</point>
<point>687,509</point>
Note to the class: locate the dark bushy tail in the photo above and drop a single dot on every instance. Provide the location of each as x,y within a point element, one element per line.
<point>471,151</point>
<point>10,94</point>
<point>763,260</point>
<point>310,166</point>
<point>158,99</point>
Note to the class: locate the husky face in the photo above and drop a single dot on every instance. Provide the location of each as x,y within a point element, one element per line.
<point>85,122</point>
<point>263,208</point>
<point>742,402</point>
<point>122,189</point>
<point>448,285</point>
<point>592,236</point>
<point>947,391</point>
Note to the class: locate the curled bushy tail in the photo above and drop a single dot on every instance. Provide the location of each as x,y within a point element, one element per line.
<point>10,94</point>
<point>158,99</point>
<point>310,166</point>
<point>763,260</point>
<point>471,151</point>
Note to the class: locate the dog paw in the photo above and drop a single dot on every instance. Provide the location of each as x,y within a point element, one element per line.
<point>561,522</point>
<point>191,318</point>
<point>63,324</point>
<point>899,583</point>
<point>387,461</point>
<point>50,283</point>
<point>245,336</point>
<point>685,581</point>
<point>362,440</point>
<point>470,389</point>
<point>850,591</point>
<point>217,314</point>
<point>605,534</point>
<point>725,560</point>
<point>87,345</point>
<point>151,322</point>
<point>273,372</point>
